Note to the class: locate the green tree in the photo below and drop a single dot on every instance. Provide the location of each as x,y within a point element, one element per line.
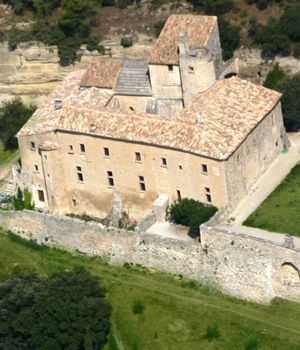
<point>192,213</point>
<point>291,103</point>
<point>275,78</point>
<point>229,37</point>
<point>66,311</point>
<point>13,115</point>
<point>290,21</point>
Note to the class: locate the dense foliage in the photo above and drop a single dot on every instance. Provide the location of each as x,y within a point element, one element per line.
<point>192,213</point>
<point>70,28</point>
<point>278,36</point>
<point>229,37</point>
<point>275,78</point>
<point>13,115</point>
<point>213,7</point>
<point>291,103</point>
<point>23,200</point>
<point>66,311</point>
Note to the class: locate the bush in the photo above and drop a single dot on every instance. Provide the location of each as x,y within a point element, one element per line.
<point>252,344</point>
<point>296,52</point>
<point>158,26</point>
<point>190,212</point>
<point>229,37</point>
<point>67,310</point>
<point>92,44</point>
<point>212,332</point>
<point>213,7</point>
<point>23,200</point>
<point>126,41</point>
<point>275,78</point>
<point>13,115</point>
<point>138,306</point>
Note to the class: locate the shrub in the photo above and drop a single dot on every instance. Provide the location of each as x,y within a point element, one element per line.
<point>158,26</point>
<point>275,78</point>
<point>124,3</point>
<point>23,200</point>
<point>213,7</point>
<point>93,42</point>
<point>190,212</point>
<point>212,332</point>
<point>296,52</point>
<point>126,41</point>
<point>138,306</point>
<point>252,344</point>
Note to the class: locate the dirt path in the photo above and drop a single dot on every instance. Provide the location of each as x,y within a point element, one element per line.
<point>275,173</point>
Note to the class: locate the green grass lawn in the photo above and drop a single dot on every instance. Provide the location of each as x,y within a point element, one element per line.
<point>177,311</point>
<point>280,212</point>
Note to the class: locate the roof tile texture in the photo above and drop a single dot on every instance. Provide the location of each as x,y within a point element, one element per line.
<point>198,30</point>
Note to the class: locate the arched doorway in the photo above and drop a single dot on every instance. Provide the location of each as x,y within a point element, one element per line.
<point>287,281</point>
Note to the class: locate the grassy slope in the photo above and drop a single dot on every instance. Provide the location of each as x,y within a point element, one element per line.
<point>280,211</point>
<point>177,312</point>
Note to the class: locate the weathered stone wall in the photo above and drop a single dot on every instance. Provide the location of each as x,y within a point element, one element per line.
<point>240,265</point>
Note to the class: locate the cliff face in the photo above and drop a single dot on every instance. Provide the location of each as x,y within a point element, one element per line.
<point>33,70</point>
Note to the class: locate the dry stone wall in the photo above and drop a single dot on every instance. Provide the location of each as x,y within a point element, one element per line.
<point>240,265</point>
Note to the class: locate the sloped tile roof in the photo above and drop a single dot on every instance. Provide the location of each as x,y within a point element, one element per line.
<point>198,30</point>
<point>102,73</point>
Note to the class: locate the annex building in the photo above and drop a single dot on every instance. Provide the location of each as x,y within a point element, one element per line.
<point>169,125</point>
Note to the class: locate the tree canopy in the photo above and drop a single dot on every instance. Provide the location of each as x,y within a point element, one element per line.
<point>66,311</point>
<point>13,115</point>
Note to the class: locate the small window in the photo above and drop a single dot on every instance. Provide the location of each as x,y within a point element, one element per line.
<point>106,151</point>
<point>207,189</point>
<point>82,148</point>
<point>36,168</point>
<point>79,173</point>
<point>164,162</point>
<point>110,178</point>
<point>71,150</point>
<point>142,183</point>
<point>178,195</point>
<point>204,169</point>
<point>170,67</point>
<point>32,145</point>
<point>74,202</point>
<point>131,109</point>
<point>208,198</point>
<point>138,157</point>
<point>180,167</point>
<point>41,195</point>
<point>45,157</point>
<point>191,69</point>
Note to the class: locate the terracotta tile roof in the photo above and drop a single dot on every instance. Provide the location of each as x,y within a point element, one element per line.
<point>198,30</point>
<point>102,73</point>
<point>225,113</point>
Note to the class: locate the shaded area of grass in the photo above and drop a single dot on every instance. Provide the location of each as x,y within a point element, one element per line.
<point>280,211</point>
<point>177,313</point>
<point>5,155</point>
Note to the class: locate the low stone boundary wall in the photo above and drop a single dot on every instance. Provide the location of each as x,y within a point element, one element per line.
<point>235,263</point>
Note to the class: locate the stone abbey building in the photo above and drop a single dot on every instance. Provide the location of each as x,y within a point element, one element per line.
<point>170,125</point>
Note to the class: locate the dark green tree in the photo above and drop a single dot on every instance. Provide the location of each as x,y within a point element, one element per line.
<point>13,115</point>
<point>291,103</point>
<point>66,311</point>
<point>275,78</point>
<point>229,36</point>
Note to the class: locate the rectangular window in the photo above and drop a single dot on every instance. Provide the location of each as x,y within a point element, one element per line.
<point>180,167</point>
<point>138,157</point>
<point>142,183</point>
<point>170,67</point>
<point>207,189</point>
<point>110,178</point>
<point>41,195</point>
<point>208,198</point>
<point>178,195</point>
<point>82,148</point>
<point>74,202</point>
<point>71,150</point>
<point>106,151</point>
<point>164,162</point>
<point>79,173</point>
<point>32,145</point>
<point>36,168</point>
<point>204,169</point>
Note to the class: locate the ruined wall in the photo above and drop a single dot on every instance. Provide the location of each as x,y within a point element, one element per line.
<point>240,265</point>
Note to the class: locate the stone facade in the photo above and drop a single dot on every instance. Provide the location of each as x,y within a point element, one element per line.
<point>240,265</point>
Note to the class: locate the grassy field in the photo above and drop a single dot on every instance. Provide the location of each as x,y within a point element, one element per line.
<point>280,211</point>
<point>177,312</point>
